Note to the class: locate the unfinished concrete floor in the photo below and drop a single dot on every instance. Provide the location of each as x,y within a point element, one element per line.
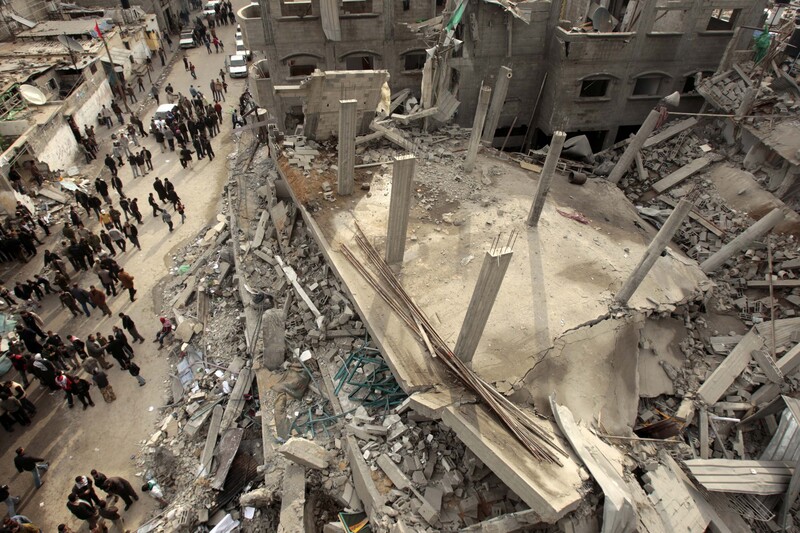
<point>563,275</point>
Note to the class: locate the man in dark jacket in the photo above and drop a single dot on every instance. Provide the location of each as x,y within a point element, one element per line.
<point>122,488</point>
<point>83,297</point>
<point>130,326</point>
<point>29,338</point>
<point>83,510</point>
<point>45,372</point>
<point>29,463</point>
<point>158,186</point>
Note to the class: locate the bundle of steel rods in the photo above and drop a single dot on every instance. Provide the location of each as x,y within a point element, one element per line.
<point>538,442</point>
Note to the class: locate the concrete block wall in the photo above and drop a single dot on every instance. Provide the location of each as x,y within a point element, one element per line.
<point>326,89</point>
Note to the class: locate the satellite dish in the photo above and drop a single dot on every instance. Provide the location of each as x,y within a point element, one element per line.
<point>602,20</point>
<point>70,43</point>
<point>32,95</point>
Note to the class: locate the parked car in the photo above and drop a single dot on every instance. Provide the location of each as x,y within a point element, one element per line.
<point>237,66</point>
<point>187,39</point>
<point>241,50</point>
<point>210,7</point>
<point>164,110</point>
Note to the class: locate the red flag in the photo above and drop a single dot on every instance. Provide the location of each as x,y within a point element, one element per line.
<point>97,29</point>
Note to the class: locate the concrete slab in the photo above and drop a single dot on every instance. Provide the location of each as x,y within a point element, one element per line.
<point>533,309</point>
<point>742,192</point>
<point>304,452</point>
<point>593,371</point>
<point>551,491</point>
<point>660,343</point>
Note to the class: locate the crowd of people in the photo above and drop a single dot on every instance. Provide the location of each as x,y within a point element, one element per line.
<point>81,270</point>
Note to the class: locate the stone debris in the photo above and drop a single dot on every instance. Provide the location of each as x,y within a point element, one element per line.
<point>318,445</point>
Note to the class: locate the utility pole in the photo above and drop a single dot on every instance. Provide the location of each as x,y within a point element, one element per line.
<point>115,81</point>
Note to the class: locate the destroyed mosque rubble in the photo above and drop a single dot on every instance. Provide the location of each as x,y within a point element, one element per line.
<point>376,337</point>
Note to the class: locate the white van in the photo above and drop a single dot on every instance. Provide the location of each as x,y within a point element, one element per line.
<point>164,110</point>
<point>210,7</point>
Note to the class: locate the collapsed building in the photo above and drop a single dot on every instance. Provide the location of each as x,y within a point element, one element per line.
<point>54,80</point>
<point>606,64</point>
<point>448,337</point>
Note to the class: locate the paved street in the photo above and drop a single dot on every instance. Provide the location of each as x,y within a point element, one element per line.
<point>108,436</point>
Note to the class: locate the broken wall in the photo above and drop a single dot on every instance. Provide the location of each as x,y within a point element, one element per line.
<point>87,100</point>
<point>324,90</point>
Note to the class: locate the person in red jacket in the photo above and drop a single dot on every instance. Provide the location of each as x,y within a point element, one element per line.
<point>77,386</point>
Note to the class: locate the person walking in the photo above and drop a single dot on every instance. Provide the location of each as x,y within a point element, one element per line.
<point>140,82</point>
<point>111,164</point>
<point>9,500</point>
<point>118,237</point>
<point>97,352</point>
<point>135,210</point>
<point>29,463</point>
<point>130,326</point>
<point>126,280</point>
<point>207,147</point>
<point>83,297</point>
<point>181,211</point>
<point>132,234</point>
<point>99,300</point>
<point>153,204</point>
<point>100,379</point>
<point>106,240</point>
<point>186,63</point>
<point>154,93</point>
<point>117,111</point>
<point>135,371</point>
<point>167,218</point>
<point>191,70</point>
<point>68,301</point>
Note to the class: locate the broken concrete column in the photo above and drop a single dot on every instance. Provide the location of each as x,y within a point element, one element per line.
<point>402,180</point>
<point>496,107</point>
<point>756,231</point>
<point>347,146</point>
<point>634,146</point>
<point>477,128</point>
<point>748,100</point>
<point>495,264</point>
<point>653,252</point>
<point>273,330</point>
<point>546,177</point>
<point>293,499</point>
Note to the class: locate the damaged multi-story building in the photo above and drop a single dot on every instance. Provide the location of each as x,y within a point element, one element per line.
<point>572,65</point>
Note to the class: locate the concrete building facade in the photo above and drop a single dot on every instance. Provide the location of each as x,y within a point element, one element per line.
<point>601,83</point>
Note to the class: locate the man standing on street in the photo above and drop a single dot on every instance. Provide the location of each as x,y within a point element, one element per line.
<point>129,325</point>
<point>28,463</point>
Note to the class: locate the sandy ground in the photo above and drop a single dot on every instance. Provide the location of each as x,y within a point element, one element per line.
<point>108,437</point>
